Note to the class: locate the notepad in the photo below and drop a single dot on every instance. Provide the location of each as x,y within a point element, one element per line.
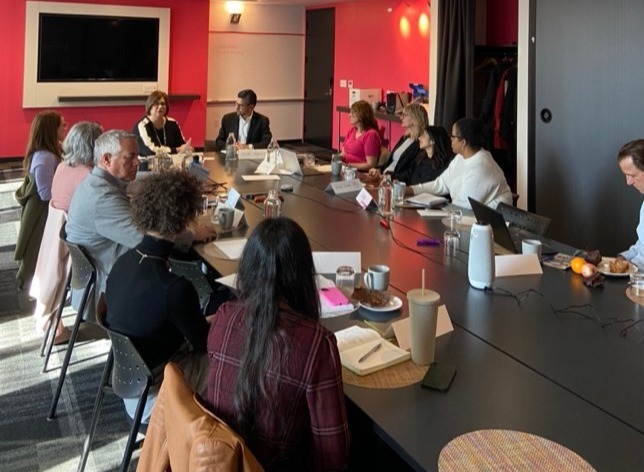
<point>427,200</point>
<point>355,342</point>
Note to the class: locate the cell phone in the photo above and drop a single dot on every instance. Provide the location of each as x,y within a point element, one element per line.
<point>333,296</point>
<point>286,188</point>
<point>439,376</point>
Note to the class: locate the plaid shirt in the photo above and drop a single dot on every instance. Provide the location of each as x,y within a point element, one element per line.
<point>303,426</point>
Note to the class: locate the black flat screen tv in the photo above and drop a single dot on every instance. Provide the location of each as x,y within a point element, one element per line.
<point>90,48</point>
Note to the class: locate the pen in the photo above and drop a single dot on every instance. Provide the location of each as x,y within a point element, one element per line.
<point>370,352</point>
<point>428,242</point>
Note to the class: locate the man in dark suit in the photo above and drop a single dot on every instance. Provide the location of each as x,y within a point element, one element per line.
<point>249,126</point>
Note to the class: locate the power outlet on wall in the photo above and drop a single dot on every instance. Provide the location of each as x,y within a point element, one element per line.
<point>343,83</point>
<point>350,83</point>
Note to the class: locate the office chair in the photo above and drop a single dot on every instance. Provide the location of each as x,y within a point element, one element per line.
<point>127,376</point>
<point>192,272</point>
<point>83,277</point>
<point>525,220</point>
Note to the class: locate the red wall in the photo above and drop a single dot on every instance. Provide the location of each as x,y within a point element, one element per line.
<point>372,50</point>
<point>502,26</point>
<point>188,74</point>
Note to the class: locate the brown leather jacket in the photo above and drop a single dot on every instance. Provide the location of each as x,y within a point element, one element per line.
<point>184,436</point>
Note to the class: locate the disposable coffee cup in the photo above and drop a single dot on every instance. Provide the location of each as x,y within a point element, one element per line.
<point>423,315</point>
<point>531,246</point>
<point>377,277</point>
<point>226,216</point>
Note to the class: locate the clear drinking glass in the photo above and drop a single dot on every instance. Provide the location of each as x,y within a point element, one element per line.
<point>309,160</point>
<point>454,219</point>
<point>399,193</point>
<point>451,242</point>
<point>345,280</point>
<point>350,173</point>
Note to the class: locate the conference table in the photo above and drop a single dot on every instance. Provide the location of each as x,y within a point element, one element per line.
<point>542,354</point>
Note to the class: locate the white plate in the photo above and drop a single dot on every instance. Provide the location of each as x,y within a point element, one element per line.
<point>394,303</point>
<point>604,268</point>
<point>465,223</point>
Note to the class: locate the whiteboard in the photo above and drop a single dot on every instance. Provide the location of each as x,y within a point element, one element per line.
<point>270,64</point>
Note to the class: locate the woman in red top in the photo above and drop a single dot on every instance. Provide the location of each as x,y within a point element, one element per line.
<point>275,374</point>
<point>362,144</point>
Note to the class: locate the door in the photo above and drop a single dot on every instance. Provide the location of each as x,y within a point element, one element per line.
<point>318,77</point>
<point>588,69</point>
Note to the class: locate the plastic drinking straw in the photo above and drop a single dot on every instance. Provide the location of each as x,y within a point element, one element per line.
<point>422,290</point>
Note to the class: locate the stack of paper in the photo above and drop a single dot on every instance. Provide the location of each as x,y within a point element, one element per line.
<point>426,200</point>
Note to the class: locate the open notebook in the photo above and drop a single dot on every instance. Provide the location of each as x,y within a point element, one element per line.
<point>356,342</point>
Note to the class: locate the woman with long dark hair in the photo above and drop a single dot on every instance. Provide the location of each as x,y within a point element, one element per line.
<point>43,154</point>
<point>275,374</point>
<point>435,142</point>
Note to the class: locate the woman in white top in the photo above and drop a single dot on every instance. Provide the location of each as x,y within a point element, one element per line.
<point>472,173</point>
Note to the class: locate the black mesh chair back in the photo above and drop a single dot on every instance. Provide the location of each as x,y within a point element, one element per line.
<point>83,277</point>
<point>126,375</point>
<point>191,270</point>
<point>525,220</point>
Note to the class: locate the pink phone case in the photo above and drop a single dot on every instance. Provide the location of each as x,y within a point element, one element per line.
<point>333,296</point>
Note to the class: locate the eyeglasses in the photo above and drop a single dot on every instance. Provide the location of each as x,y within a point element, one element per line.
<point>240,105</point>
<point>160,104</point>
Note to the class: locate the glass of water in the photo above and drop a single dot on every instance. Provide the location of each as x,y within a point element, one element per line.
<point>454,219</point>
<point>451,242</point>
<point>345,280</point>
<point>399,193</point>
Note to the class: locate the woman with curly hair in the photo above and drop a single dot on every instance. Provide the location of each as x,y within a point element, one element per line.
<point>160,310</point>
<point>362,143</point>
<point>41,159</point>
<point>275,373</point>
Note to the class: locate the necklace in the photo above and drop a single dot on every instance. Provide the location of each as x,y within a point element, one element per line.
<point>148,256</point>
<point>157,134</point>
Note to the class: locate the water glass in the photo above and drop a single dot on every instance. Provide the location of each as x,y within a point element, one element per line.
<point>345,280</point>
<point>309,160</point>
<point>204,204</point>
<point>454,218</point>
<point>636,284</point>
<point>399,193</point>
<point>350,173</point>
<point>452,242</point>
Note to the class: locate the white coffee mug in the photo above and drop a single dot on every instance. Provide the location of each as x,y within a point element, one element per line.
<point>377,277</point>
<point>531,246</point>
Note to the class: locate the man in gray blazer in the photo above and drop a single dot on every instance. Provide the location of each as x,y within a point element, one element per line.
<point>99,217</point>
<point>248,126</point>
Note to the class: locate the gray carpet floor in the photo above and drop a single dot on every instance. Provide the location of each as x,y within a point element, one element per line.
<point>28,442</point>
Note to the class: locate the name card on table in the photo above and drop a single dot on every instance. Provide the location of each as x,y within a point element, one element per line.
<point>344,186</point>
<point>364,198</point>
<point>243,154</point>
<point>265,167</point>
<point>401,329</point>
<point>327,262</point>
<point>517,264</point>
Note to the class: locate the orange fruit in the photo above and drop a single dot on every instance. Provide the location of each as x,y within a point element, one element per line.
<point>576,264</point>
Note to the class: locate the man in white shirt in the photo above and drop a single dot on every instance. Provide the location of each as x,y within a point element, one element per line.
<point>249,127</point>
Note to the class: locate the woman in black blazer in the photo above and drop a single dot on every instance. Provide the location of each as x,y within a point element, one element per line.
<point>406,152</point>
<point>434,157</point>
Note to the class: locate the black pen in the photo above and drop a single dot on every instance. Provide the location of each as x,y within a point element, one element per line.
<point>370,352</point>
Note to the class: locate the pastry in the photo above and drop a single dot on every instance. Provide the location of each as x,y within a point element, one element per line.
<point>619,266</point>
